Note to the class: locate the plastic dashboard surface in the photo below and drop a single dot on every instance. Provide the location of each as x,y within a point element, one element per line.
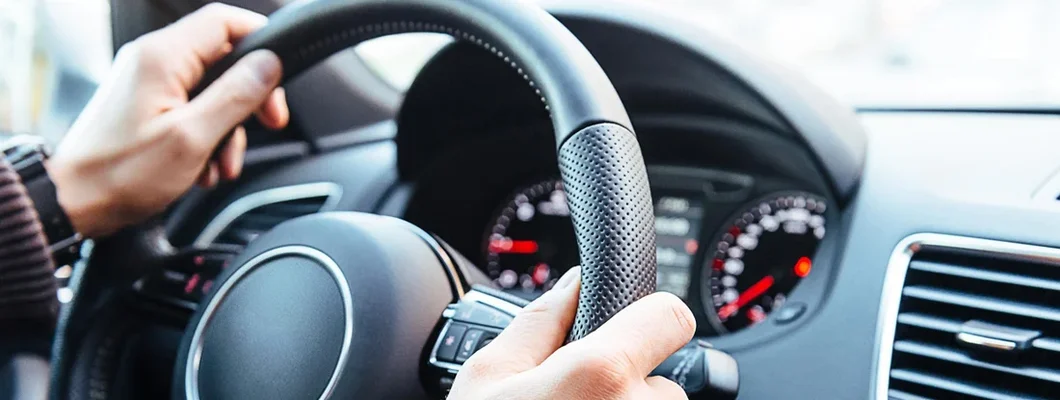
<point>977,175</point>
<point>973,175</point>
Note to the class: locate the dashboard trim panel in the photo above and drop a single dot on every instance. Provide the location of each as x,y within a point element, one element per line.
<point>244,204</point>
<point>894,281</point>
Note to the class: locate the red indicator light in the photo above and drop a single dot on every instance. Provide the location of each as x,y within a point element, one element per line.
<point>718,264</point>
<point>513,246</point>
<point>802,267</point>
<point>540,274</point>
<point>691,246</point>
<point>190,285</point>
<point>756,315</point>
<point>734,231</point>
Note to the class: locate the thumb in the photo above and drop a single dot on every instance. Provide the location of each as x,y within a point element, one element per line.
<point>539,329</point>
<point>237,94</point>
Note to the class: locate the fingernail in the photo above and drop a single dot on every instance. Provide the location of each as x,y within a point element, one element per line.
<point>265,65</point>
<point>568,278</point>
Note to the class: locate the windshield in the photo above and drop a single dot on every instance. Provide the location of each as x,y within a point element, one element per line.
<point>866,53</point>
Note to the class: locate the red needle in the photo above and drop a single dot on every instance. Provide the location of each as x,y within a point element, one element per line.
<point>747,296</point>
<point>513,246</point>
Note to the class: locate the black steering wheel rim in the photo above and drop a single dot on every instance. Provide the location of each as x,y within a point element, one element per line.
<point>600,160</point>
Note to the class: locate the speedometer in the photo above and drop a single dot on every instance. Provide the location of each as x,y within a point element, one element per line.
<point>760,256</point>
<point>531,242</point>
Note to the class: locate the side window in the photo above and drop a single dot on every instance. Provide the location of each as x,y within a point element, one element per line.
<point>52,55</point>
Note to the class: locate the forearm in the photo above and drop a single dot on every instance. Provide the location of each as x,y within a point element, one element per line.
<point>27,284</point>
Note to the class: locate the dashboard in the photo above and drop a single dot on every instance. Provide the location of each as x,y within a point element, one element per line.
<point>792,227</point>
<point>732,245</point>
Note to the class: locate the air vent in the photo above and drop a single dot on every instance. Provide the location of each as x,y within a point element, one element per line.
<point>250,216</point>
<point>975,319</point>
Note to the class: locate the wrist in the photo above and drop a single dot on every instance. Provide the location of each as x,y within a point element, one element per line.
<point>85,202</point>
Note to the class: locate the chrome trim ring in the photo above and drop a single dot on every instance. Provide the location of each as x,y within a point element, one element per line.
<point>191,369</point>
<point>443,257</point>
<point>894,281</point>
<point>247,203</point>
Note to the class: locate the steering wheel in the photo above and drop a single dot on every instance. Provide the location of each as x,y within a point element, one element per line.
<point>341,305</point>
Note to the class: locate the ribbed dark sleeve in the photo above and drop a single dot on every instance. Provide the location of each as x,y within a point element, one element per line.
<point>27,283</point>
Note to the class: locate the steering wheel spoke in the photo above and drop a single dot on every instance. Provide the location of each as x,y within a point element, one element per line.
<point>474,321</point>
<point>468,326</point>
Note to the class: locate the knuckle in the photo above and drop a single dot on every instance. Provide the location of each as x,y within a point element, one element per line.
<point>682,316</point>
<point>535,311</point>
<point>247,90</point>
<point>142,53</point>
<point>601,367</point>
<point>669,389</point>
<point>477,367</point>
<point>184,137</point>
<point>214,8</point>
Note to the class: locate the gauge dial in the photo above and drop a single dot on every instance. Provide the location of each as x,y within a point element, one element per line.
<point>759,257</point>
<point>531,242</point>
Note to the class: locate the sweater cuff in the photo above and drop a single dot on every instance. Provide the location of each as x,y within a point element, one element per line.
<point>27,282</point>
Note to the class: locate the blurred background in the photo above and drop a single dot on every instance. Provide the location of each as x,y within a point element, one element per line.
<point>867,53</point>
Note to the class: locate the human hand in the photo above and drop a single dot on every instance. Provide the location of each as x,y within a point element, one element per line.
<point>141,143</point>
<point>528,360</point>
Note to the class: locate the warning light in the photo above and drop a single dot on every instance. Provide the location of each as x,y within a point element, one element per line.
<point>691,246</point>
<point>513,246</point>
<point>802,267</point>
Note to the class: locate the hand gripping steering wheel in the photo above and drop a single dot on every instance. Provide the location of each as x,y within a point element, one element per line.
<point>347,305</point>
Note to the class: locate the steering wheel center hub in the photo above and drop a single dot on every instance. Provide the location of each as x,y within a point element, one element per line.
<point>330,305</point>
<point>288,304</point>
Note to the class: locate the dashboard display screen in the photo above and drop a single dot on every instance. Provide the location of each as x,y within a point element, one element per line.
<point>677,225</point>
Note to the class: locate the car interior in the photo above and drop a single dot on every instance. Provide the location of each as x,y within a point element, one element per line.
<point>826,253</point>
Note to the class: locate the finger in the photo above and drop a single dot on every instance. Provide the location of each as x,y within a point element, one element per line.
<point>274,114</point>
<point>540,328</point>
<point>239,92</point>
<point>209,176</point>
<point>214,28</point>
<point>643,334</point>
<point>664,389</point>
<point>230,161</point>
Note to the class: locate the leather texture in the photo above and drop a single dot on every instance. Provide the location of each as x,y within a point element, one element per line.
<point>571,84</point>
<point>610,203</point>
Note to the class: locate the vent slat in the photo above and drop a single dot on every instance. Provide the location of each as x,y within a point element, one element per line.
<point>257,221</point>
<point>960,357</point>
<point>1047,344</point>
<point>982,302</point>
<point>900,395</point>
<point>293,209</point>
<point>929,322</point>
<point>985,275</point>
<point>956,386</point>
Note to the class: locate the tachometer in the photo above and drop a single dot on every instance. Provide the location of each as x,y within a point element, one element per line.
<point>531,242</point>
<point>759,257</point>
